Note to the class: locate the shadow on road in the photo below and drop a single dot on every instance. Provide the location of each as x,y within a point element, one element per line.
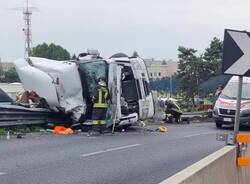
<point>231,127</point>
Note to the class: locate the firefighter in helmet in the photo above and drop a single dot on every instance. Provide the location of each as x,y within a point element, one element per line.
<point>100,101</point>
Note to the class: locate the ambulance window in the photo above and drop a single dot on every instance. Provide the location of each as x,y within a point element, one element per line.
<point>230,91</point>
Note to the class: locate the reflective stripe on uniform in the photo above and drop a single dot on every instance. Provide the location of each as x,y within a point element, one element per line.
<point>98,122</point>
<point>178,109</point>
<point>102,98</point>
<point>101,105</point>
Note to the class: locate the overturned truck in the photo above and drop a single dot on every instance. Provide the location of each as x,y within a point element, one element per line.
<point>68,86</point>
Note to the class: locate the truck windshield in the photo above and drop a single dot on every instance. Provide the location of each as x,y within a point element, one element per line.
<point>230,91</point>
<point>91,72</point>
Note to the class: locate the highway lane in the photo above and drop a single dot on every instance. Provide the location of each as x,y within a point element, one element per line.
<point>124,158</point>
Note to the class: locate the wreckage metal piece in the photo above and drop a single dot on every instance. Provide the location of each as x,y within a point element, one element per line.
<point>68,86</point>
<point>56,81</point>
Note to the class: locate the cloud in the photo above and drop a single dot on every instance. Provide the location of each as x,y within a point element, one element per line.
<point>155,28</point>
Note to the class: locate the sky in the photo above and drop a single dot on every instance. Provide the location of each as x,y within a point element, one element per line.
<point>153,28</point>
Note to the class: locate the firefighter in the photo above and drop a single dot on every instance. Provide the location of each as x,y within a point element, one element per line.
<point>100,101</point>
<point>173,110</point>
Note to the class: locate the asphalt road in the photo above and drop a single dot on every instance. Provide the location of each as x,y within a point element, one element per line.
<point>132,157</point>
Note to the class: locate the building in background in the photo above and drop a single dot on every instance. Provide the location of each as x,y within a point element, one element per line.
<point>12,88</point>
<point>158,69</point>
<point>5,66</point>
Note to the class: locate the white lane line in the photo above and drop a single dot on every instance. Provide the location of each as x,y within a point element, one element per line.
<point>2,173</point>
<point>108,150</point>
<point>194,135</point>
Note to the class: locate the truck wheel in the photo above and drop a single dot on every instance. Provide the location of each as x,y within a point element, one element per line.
<point>218,125</point>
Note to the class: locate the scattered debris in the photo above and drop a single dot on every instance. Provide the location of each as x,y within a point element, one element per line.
<point>61,130</point>
<point>162,129</point>
<point>19,136</point>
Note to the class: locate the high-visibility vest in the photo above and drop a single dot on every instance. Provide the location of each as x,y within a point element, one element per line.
<point>101,100</point>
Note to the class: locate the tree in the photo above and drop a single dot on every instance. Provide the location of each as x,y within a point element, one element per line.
<point>51,51</point>
<point>11,75</point>
<point>135,54</point>
<point>213,56</point>
<point>73,57</point>
<point>190,71</point>
<point>1,72</point>
<point>194,70</point>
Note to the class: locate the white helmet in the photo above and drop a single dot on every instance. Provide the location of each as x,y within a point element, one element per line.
<point>102,83</point>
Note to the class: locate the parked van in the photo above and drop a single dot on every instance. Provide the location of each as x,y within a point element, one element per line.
<point>225,106</point>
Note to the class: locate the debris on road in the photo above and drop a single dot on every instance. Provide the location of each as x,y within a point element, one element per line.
<point>61,130</point>
<point>162,129</point>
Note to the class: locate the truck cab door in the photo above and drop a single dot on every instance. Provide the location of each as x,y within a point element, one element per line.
<point>114,84</point>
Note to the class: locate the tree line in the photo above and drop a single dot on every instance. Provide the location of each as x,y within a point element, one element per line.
<point>51,51</point>
<point>9,75</point>
<point>194,68</point>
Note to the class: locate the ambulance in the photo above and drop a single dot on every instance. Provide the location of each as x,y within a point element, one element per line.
<point>225,106</point>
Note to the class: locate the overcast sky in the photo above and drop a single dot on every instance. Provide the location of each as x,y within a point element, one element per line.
<point>154,28</point>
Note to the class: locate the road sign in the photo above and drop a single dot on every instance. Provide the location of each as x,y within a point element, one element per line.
<point>236,53</point>
<point>236,61</point>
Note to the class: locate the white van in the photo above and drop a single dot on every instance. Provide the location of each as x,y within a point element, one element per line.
<point>225,106</point>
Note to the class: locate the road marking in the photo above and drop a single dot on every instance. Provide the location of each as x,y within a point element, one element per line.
<point>194,135</point>
<point>108,150</point>
<point>2,173</point>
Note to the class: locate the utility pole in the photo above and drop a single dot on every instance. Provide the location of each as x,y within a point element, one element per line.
<point>27,12</point>
<point>27,30</point>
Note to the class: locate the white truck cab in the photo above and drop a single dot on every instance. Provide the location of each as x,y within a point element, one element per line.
<point>68,86</point>
<point>225,106</point>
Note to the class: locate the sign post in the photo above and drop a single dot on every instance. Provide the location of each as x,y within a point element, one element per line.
<point>236,54</point>
<point>238,105</point>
